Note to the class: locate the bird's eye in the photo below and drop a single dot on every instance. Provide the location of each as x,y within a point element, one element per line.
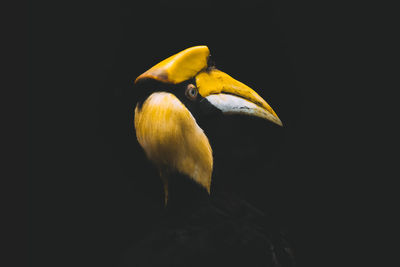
<point>191,92</point>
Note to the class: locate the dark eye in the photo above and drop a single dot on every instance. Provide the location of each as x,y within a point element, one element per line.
<point>191,92</point>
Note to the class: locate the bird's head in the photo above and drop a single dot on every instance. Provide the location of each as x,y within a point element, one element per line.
<point>176,92</point>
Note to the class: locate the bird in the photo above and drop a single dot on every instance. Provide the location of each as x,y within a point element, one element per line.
<point>197,228</point>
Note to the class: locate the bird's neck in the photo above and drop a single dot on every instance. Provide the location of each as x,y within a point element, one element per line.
<point>183,193</point>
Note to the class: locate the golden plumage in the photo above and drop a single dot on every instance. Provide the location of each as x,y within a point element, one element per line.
<point>172,139</point>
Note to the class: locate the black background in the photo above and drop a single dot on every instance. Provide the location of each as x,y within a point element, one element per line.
<point>320,175</point>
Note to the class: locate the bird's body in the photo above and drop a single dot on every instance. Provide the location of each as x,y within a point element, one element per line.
<point>196,230</point>
<point>198,227</point>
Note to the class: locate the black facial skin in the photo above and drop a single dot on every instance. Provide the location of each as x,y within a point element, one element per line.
<point>200,107</point>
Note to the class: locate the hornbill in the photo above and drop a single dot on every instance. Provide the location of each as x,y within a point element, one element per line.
<point>197,228</point>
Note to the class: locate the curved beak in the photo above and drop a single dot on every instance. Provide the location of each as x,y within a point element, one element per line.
<point>221,90</point>
<point>233,97</point>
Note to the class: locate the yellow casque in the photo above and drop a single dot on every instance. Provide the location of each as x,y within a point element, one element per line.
<point>179,67</point>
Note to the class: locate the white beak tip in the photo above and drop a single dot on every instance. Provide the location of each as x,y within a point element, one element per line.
<point>231,104</point>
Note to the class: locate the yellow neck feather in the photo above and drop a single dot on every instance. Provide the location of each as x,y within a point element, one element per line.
<point>172,139</point>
